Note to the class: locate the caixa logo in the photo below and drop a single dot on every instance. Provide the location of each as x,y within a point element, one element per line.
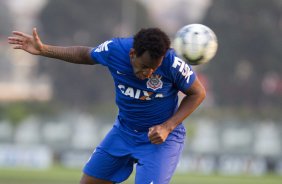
<point>138,94</point>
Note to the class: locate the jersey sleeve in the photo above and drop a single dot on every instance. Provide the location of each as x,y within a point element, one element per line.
<point>101,53</point>
<point>181,73</point>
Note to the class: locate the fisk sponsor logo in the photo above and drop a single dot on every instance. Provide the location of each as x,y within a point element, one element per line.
<point>138,94</point>
<point>183,68</point>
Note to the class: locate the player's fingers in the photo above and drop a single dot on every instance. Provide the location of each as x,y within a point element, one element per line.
<point>153,135</point>
<point>14,40</point>
<point>18,47</point>
<point>18,33</point>
<point>35,34</point>
<point>150,132</point>
<point>155,138</point>
<point>15,43</point>
<point>21,34</point>
<point>157,141</point>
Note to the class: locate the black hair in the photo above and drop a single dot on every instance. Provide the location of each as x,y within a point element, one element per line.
<point>153,40</point>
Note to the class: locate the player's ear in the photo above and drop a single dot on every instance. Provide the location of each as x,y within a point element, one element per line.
<point>132,53</point>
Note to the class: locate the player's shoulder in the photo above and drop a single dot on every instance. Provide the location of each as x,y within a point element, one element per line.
<point>168,59</point>
<point>174,66</point>
<point>115,44</point>
<point>119,43</point>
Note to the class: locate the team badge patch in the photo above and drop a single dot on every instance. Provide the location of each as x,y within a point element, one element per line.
<point>155,82</point>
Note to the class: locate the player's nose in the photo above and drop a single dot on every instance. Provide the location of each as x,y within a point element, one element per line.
<point>148,72</point>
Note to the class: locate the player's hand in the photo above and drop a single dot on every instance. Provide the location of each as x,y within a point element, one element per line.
<point>28,43</point>
<point>158,134</point>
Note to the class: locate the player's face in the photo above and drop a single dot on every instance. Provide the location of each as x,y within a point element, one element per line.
<point>144,66</point>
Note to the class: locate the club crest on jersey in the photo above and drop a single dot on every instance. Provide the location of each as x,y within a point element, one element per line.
<point>155,82</point>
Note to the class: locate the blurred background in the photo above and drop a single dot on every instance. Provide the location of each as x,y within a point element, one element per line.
<point>53,114</point>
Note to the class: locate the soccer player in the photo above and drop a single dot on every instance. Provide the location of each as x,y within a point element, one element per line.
<point>148,129</point>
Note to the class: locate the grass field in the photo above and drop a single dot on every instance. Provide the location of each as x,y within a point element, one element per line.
<point>58,175</point>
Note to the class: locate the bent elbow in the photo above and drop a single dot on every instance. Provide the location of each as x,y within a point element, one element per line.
<point>203,94</point>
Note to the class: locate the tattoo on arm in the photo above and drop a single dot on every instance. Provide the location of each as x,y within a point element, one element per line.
<point>75,54</point>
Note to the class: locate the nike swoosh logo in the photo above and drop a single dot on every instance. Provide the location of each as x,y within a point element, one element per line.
<point>118,72</point>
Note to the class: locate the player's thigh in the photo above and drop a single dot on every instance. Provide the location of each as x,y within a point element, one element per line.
<point>158,166</point>
<point>85,179</point>
<point>104,166</point>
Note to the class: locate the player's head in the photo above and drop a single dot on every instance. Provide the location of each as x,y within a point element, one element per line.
<point>149,48</point>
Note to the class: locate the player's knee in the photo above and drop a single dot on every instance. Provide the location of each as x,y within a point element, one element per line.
<point>85,179</point>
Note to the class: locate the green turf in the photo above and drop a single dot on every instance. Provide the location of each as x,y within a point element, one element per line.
<point>58,175</point>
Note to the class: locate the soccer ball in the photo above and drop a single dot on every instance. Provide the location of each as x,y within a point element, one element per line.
<point>195,43</point>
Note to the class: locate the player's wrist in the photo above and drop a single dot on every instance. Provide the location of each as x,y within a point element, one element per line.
<point>169,125</point>
<point>43,50</point>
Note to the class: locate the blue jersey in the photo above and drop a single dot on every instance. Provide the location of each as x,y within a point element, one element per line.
<point>143,103</point>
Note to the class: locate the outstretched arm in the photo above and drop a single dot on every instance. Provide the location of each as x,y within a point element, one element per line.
<point>33,45</point>
<point>194,97</point>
